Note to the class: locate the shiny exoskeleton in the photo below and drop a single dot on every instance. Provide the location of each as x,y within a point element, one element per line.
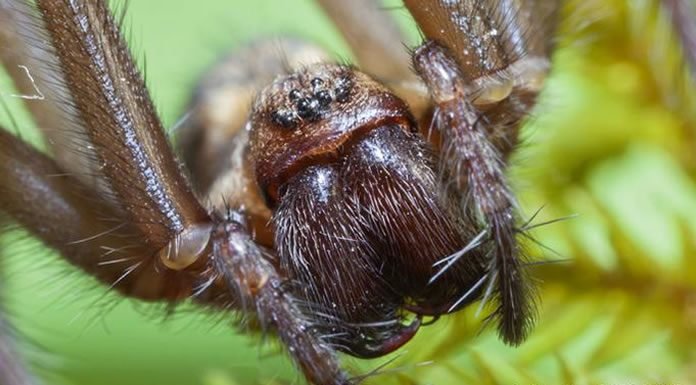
<point>345,207</point>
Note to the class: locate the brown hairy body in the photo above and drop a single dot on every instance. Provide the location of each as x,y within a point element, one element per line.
<point>327,212</point>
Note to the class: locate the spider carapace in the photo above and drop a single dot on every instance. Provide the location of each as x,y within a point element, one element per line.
<point>341,210</point>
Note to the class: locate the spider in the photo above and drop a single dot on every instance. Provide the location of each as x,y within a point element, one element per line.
<point>339,217</point>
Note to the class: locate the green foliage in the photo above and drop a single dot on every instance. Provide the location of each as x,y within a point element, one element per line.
<point>613,142</point>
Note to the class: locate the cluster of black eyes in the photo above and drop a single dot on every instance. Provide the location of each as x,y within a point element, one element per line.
<point>311,107</point>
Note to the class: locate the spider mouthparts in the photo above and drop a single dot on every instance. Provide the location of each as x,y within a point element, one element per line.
<point>400,338</point>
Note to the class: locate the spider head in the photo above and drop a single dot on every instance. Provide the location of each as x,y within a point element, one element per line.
<point>307,117</point>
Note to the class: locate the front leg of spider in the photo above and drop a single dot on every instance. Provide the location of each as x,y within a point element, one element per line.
<point>484,64</point>
<point>247,271</point>
<point>488,197</point>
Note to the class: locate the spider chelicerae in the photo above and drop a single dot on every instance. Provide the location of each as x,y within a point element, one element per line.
<point>340,218</point>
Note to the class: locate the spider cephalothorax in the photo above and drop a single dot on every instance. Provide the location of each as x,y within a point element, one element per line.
<point>334,213</point>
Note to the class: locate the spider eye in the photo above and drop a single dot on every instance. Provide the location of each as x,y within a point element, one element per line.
<point>308,108</point>
<point>324,98</point>
<point>342,90</point>
<point>294,95</point>
<point>317,82</point>
<point>284,118</point>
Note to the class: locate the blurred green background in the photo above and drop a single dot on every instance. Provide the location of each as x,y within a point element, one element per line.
<point>613,141</point>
